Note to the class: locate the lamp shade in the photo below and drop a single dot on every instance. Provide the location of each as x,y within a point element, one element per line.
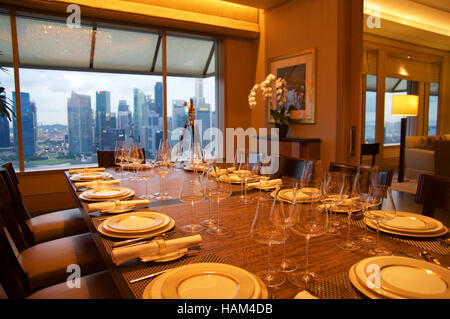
<point>406,105</point>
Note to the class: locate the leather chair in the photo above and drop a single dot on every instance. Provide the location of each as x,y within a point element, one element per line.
<point>15,282</point>
<point>342,168</point>
<point>45,264</point>
<point>107,158</point>
<point>48,226</point>
<point>291,167</point>
<point>433,192</point>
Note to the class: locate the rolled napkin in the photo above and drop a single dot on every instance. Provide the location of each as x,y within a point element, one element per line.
<point>116,204</point>
<point>157,248</point>
<point>86,170</point>
<point>96,183</point>
<point>266,183</point>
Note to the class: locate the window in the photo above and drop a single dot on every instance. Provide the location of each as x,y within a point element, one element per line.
<point>83,89</point>
<point>433,109</point>
<point>371,109</point>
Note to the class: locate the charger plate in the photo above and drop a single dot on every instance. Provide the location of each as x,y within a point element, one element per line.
<point>88,199</point>
<point>404,221</point>
<point>102,230</point>
<point>153,289</point>
<point>438,231</point>
<point>107,192</point>
<point>234,179</point>
<point>402,277</point>
<point>90,176</point>
<point>137,222</point>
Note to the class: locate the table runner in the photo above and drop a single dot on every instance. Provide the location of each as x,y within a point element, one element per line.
<point>335,287</point>
<point>429,244</point>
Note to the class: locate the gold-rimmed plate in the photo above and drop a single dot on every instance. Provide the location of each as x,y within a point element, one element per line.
<point>402,277</point>
<point>153,289</point>
<point>106,192</point>
<point>411,222</point>
<point>102,230</point>
<point>235,179</point>
<point>82,196</point>
<point>91,176</point>
<point>136,222</point>
<point>440,230</point>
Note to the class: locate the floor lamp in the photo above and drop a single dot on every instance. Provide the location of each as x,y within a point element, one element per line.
<point>404,105</point>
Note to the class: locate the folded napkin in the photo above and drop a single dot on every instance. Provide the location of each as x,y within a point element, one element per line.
<point>156,248</point>
<point>289,195</point>
<point>96,183</point>
<point>116,204</point>
<point>266,183</point>
<point>87,170</point>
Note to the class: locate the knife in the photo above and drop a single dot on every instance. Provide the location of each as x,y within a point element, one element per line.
<point>140,240</point>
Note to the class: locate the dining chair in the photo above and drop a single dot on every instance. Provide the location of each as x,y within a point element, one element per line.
<point>291,167</point>
<point>342,168</point>
<point>433,192</point>
<point>47,226</point>
<point>107,158</point>
<point>45,264</point>
<point>14,280</point>
<point>370,149</point>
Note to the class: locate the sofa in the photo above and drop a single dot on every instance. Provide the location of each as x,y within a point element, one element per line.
<point>427,155</point>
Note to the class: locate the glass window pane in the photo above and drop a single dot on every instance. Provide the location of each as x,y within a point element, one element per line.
<point>371,108</point>
<point>51,44</point>
<point>124,50</point>
<point>8,142</point>
<point>6,55</point>
<point>187,56</point>
<point>433,109</point>
<point>212,64</point>
<point>203,94</point>
<point>77,113</point>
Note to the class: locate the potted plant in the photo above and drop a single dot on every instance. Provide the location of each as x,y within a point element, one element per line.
<point>5,105</point>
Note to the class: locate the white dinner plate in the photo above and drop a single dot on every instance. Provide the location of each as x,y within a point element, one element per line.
<point>405,221</point>
<point>439,231</point>
<point>90,176</point>
<point>402,277</point>
<point>235,179</point>
<point>136,222</point>
<point>107,192</point>
<point>88,199</point>
<point>153,289</point>
<point>102,230</point>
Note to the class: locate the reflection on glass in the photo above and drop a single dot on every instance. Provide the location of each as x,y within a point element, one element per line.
<point>371,108</point>
<point>433,109</point>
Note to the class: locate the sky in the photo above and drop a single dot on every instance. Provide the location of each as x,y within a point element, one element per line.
<point>50,89</point>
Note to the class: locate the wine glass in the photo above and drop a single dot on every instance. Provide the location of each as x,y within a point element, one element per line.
<point>196,156</point>
<point>331,189</point>
<point>284,216</point>
<point>217,190</point>
<point>191,191</point>
<point>366,177</point>
<point>120,156</point>
<point>312,221</point>
<point>146,172</point>
<point>163,168</point>
<point>246,169</point>
<point>349,201</point>
<point>265,231</point>
<point>211,168</point>
<point>380,195</point>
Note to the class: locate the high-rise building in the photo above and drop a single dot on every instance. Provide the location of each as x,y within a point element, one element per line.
<point>29,124</point>
<point>140,115</point>
<point>110,136</point>
<point>4,132</point>
<point>80,124</point>
<point>124,119</point>
<point>102,108</point>
<point>179,114</point>
<point>159,99</point>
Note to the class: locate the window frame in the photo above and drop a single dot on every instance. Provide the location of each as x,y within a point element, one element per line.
<point>162,32</point>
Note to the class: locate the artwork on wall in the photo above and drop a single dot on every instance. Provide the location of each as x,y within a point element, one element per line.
<point>299,72</point>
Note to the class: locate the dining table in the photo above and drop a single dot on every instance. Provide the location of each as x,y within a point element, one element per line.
<point>329,262</point>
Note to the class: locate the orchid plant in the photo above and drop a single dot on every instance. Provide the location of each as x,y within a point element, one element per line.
<point>278,111</point>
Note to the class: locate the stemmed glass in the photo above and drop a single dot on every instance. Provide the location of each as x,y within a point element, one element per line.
<point>312,221</point>
<point>163,167</point>
<point>380,195</point>
<point>217,190</point>
<point>331,189</point>
<point>211,167</point>
<point>145,175</point>
<point>265,231</point>
<point>349,201</point>
<point>284,216</point>
<point>246,169</point>
<point>366,177</point>
<point>191,192</point>
<point>120,156</point>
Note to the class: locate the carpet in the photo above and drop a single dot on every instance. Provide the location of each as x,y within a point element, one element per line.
<point>408,186</point>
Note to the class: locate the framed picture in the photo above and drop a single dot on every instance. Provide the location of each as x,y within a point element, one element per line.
<point>299,72</point>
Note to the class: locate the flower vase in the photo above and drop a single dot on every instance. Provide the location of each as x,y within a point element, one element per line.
<point>282,130</point>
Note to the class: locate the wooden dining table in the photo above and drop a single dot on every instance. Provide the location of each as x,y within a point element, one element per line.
<point>325,258</point>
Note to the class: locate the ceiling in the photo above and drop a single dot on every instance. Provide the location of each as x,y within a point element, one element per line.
<point>260,4</point>
<point>423,22</point>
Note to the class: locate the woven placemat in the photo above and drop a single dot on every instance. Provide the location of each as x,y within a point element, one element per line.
<point>138,287</point>
<point>429,244</point>
<point>335,287</point>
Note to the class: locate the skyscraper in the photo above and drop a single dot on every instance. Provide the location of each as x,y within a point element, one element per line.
<point>102,108</point>
<point>139,114</point>
<point>159,98</point>
<point>80,124</point>
<point>179,114</point>
<point>29,124</point>
<point>4,132</point>
<point>124,119</point>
